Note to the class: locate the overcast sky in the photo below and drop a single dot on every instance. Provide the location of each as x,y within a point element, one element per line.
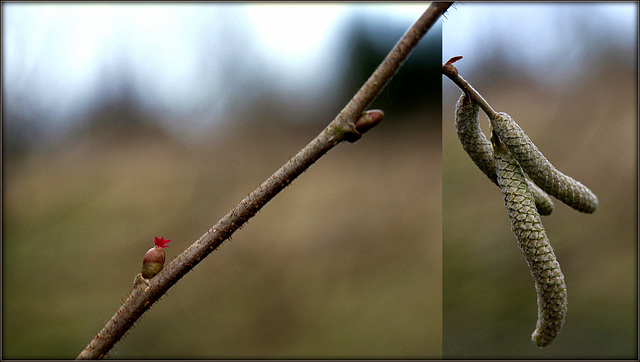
<point>546,39</point>
<point>57,53</point>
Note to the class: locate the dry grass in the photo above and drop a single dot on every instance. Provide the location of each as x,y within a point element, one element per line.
<point>345,263</point>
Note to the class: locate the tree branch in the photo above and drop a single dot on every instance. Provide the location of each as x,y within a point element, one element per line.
<point>349,126</point>
<point>451,72</point>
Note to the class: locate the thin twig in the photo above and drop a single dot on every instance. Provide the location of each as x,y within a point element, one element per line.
<point>347,126</point>
<point>452,73</point>
<point>393,61</point>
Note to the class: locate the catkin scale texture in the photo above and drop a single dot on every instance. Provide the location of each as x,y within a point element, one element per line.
<point>532,240</point>
<point>473,141</point>
<point>539,169</point>
<point>479,149</point>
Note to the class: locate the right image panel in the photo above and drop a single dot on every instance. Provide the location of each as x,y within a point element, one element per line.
<point>540,180</point>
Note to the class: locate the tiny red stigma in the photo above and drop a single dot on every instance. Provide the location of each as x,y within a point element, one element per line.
<point>161,242</point>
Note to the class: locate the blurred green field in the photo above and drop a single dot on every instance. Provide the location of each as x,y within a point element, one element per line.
<point>345,263</point>
<point>588,130</point>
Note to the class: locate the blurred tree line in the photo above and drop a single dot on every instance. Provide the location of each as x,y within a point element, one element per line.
<point>119,107</point>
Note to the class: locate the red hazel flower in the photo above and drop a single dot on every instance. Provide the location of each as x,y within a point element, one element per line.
<point>153,261</point>
<point>160,242</point>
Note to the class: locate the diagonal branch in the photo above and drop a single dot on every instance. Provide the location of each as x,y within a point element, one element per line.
<point>451,72</point>
<point>393,61</point>
<point>349,126</point>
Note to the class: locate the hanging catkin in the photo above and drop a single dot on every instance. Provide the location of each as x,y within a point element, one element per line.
<point>532,240</point>
<point>480,151</point>
<point>539,169</point>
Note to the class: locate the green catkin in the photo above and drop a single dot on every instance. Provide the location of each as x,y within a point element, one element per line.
<point>480,151</point>
<point>532,240</point>
<point>539,169</point>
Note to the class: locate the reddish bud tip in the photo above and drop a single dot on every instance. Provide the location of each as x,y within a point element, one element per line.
<point>448,67</point>
<point>454,59</point>
<point>160,242</point>
<point>368,120</point>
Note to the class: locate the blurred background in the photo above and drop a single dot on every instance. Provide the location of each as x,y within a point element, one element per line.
<point>567,73</point>
<point>122,122</point>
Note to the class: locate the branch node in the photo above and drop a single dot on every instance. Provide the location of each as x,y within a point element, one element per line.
<point>449,69</point>
<point>367,121</point>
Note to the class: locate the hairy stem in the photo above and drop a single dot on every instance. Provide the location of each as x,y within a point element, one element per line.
<point>347,126</point>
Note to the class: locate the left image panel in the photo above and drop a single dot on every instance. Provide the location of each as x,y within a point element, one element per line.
<point>126,126</point>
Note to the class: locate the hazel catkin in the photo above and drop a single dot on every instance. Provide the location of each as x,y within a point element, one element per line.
<point>479,149</point>
<point>534,244</point>
<point>539,169</point>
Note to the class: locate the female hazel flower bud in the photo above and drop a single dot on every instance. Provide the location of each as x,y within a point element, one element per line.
<point>154,258</point>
